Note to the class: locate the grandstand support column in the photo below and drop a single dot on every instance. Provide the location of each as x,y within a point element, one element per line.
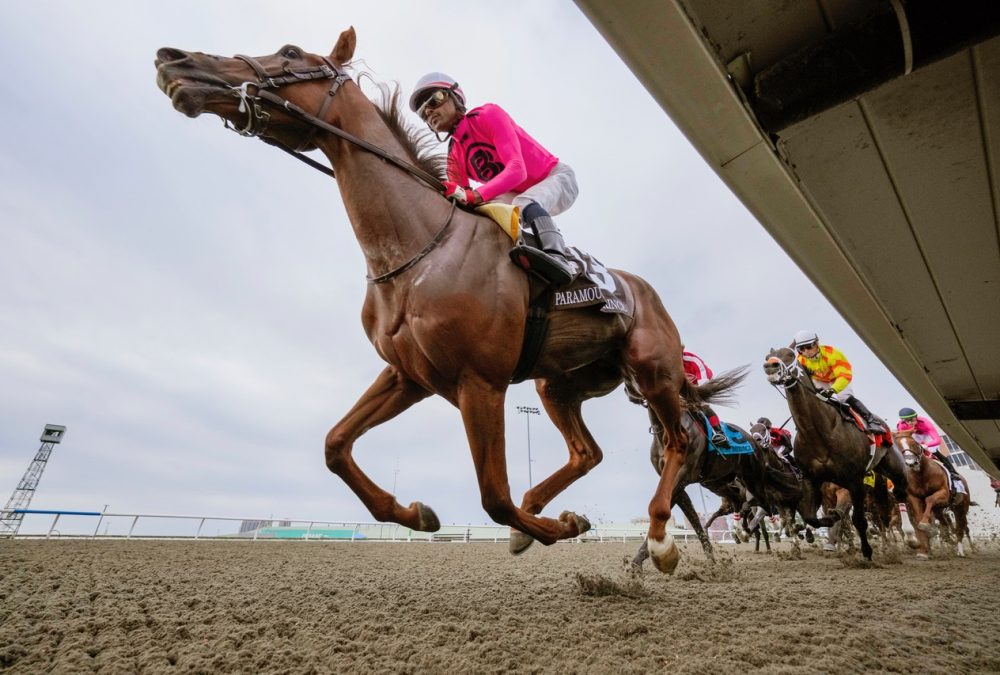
<point>13,513</point>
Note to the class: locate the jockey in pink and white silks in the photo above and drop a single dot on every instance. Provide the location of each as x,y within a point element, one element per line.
<point>487,147</point>
<point>926,434</point>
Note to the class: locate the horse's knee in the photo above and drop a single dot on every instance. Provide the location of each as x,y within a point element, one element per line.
<point>336,450</point>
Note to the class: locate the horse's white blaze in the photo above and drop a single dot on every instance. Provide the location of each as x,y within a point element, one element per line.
<point>664,553</point>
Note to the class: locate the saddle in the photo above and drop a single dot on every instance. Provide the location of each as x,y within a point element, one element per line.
<point>596,286</point>
<point>880,440</point>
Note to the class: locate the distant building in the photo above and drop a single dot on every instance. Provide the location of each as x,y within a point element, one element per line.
<point>958,456</point>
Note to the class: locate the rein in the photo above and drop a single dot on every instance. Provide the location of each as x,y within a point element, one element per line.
<point>258,118</point>
<point>382,278</point>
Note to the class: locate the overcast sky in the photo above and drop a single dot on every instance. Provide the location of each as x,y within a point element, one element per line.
<point>187,302</point>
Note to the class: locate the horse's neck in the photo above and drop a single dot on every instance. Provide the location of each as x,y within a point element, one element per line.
<point>392,213</point>
<point>812,419</point>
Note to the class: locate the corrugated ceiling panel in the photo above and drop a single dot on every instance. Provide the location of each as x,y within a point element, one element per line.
<point>842,173</point>
<point>928,126</point>
<point>988,434</point>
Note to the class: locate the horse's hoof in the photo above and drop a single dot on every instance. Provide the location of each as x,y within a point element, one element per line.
<point>428,520</point>
<point>664,553</point>
<point>809,537</point>
<point>581,522</point>
<point>922,556</point>
<point>829,548</point>
<point>519,542</point>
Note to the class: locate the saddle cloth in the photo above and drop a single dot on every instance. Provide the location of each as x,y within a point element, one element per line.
<point>596,285</point>
<point>739,443</point>
<point>957,488</point>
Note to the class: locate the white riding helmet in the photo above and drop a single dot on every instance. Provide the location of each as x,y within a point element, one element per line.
<point>804,337</point>
<point>435,81</point>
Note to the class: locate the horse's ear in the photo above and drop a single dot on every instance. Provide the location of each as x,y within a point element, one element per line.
<point>343,51</point>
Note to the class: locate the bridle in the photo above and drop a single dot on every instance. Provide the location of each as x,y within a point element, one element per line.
<point>258,117</point>
<point>252,104</point>
<point>788,376</point>
<point>911,457</point>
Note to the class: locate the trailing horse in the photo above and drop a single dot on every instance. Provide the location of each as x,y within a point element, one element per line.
<point>929,493</point>
<point>828,447</point>
<point>445,308</point>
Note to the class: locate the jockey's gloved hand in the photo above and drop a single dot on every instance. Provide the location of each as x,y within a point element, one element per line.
<point>462,195</point>
<point>828,392</point>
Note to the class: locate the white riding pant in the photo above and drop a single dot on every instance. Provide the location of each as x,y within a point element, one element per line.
<point>555,193</point>
<point>842,396</point>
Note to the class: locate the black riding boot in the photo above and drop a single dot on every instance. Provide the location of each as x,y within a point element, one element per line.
<point>944,459</point>
<point>873,426</point>
<point>551,260</point>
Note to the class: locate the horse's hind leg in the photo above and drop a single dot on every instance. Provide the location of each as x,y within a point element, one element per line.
<point>389,395</point>
<point>651,360</point>
<point>481,404</point>
<point>562,400</point>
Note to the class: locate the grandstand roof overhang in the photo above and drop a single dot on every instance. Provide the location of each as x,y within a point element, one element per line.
<point>854,130</point>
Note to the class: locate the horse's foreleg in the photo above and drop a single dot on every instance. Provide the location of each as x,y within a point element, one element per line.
<point>481,405</point>
<point>640,555</point>
<point>932,501</point>
<point>914,511</point>
<point>860,519</point>
<point>389,395</point>
<point>683,500</point>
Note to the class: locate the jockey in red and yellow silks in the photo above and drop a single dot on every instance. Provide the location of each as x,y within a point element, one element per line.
<point>832,374</point>
<point>829,367</point>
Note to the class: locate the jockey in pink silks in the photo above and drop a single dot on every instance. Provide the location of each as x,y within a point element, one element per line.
<point>926,435</point>
<point>487,147</point>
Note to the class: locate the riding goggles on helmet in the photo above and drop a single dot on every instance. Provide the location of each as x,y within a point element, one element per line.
<point>435,100</point>
<point>806,347</point>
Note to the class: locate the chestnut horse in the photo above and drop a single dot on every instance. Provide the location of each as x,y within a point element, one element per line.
<point>928,493</point>
<point>445,308</point>
<point>829,448</point>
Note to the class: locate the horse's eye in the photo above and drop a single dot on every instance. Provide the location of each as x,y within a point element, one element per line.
<point>291,53</point>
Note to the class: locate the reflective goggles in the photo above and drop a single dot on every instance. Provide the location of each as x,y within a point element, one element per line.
<point>435,100</point>
<point>807,347</point>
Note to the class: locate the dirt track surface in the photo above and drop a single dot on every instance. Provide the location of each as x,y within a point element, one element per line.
<point>316,607</point>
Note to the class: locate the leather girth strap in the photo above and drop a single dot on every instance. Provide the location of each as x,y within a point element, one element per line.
<point>536,328</point>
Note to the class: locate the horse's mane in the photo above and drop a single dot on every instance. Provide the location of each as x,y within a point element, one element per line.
<point>420,145</point>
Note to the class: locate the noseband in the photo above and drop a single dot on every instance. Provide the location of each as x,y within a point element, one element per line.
<point>788,375</point>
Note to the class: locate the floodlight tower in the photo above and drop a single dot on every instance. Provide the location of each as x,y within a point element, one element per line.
<point>10,522</point>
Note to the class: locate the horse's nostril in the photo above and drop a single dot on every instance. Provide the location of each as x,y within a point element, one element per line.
<point>169,55</point>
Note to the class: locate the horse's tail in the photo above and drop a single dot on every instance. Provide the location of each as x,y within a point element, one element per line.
<point>720,389</point>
